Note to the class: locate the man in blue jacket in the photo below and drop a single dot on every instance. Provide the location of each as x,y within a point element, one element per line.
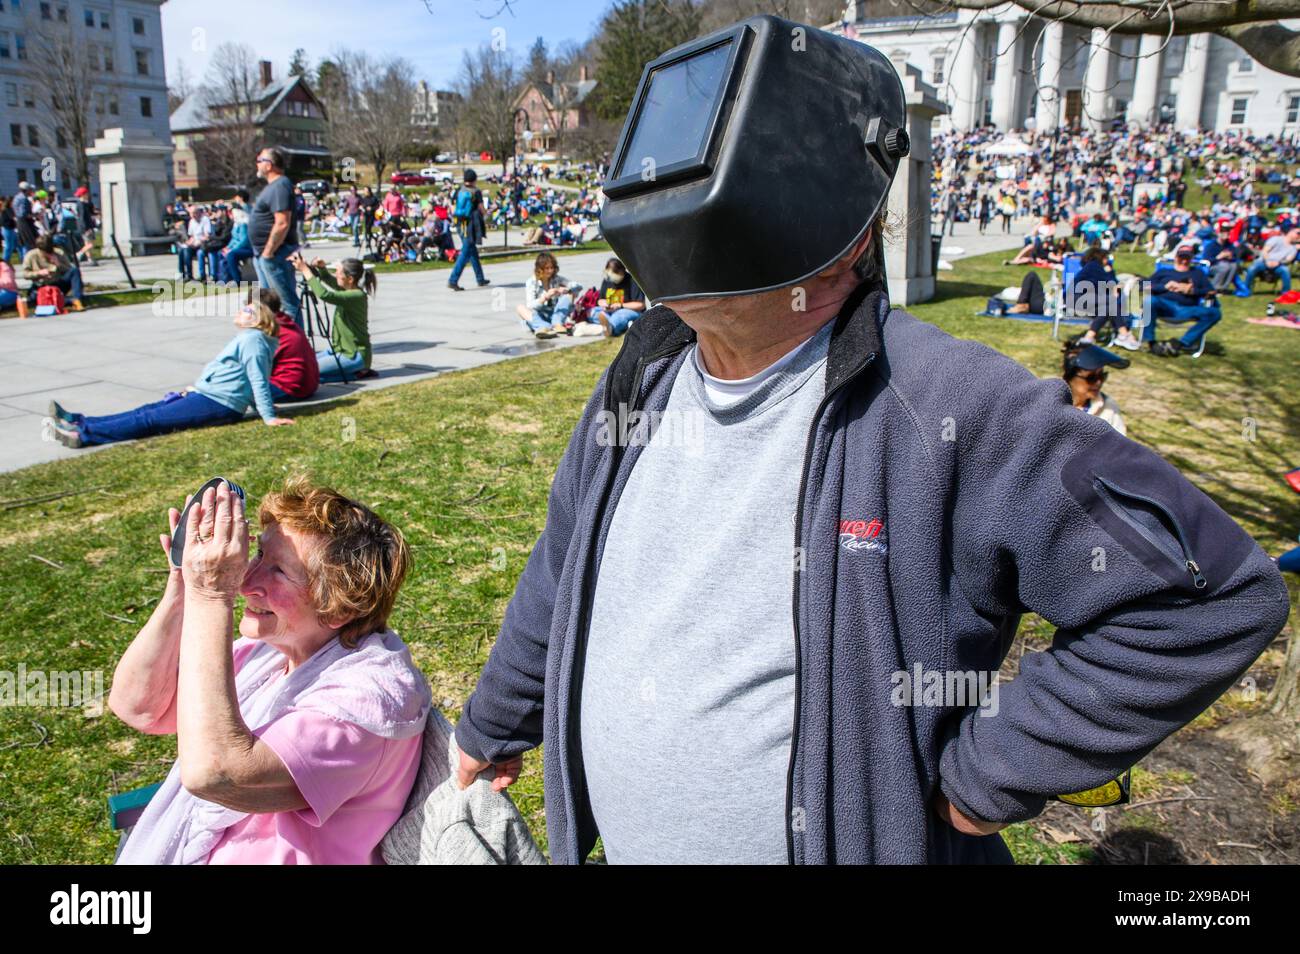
<point>1180,294</point>
<point>795,526</point>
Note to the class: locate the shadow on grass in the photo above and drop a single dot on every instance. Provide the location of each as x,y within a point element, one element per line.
<point>950,290</point>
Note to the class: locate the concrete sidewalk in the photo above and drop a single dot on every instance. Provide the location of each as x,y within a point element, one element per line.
<point>108,360</point>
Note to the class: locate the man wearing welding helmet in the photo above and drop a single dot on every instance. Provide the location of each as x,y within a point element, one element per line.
<point>708,635</point>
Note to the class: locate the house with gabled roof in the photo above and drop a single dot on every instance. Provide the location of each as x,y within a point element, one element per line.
<point>288,114</point>
<point>550,110</point>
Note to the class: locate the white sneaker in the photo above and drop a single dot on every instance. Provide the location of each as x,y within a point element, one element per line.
<point>586,329</point>
<point>1131,343</point>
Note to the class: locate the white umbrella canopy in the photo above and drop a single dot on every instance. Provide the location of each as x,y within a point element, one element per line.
<point>1008,146</point>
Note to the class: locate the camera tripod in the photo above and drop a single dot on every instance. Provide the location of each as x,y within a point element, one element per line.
<point>315,318</point>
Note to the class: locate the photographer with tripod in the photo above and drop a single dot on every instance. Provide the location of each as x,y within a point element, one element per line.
<point>348,289</point>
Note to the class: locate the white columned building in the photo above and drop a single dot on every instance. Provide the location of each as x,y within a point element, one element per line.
<point>1191,82</point>
<point>1006,75</point>
<point>1096,99</point>
<point>1142,108</point>
<point>1047,107</point>
<point>1004,67</point>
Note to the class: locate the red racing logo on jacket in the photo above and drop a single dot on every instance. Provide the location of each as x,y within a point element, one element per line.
<point>859,535</point>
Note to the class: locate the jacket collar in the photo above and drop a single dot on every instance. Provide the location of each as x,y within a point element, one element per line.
<point>660,333</point>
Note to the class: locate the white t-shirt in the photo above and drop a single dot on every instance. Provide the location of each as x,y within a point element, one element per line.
<point>726,393</point>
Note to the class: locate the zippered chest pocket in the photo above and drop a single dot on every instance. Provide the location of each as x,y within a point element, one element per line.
<point>1157,526</point>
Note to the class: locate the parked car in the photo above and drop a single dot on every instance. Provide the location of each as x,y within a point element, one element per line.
<point>408,178</point>
<point>444,157</point>
<point>432,174</point>
<point>317,187</point>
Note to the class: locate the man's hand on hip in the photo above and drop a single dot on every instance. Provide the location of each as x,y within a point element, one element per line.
<point>962,822</point>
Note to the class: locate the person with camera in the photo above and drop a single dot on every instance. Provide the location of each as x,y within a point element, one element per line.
<point>349,289</point>
<point>297,742</point>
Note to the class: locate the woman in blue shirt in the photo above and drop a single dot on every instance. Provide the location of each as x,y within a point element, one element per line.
<point>238,377</point>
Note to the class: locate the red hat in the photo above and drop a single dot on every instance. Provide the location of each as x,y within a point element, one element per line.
<point>81,191</point>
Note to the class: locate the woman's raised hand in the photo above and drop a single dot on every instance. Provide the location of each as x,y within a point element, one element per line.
<point>216,544</point>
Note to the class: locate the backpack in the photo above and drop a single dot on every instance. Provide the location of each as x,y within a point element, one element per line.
<point>464,203</point>
<point>50,301</point>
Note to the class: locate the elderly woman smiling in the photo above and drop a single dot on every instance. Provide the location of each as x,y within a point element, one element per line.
<point>299,743</point>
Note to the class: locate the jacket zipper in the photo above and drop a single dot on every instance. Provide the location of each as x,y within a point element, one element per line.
<point>1189,559</point>
<point>798,650</point>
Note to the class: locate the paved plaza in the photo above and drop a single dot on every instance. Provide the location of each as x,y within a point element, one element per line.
<point>107,360</point>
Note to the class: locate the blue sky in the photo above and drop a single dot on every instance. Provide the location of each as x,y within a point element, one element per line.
<point>432,41</point>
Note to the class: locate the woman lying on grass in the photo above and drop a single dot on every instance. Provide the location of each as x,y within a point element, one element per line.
<point>238,377</point>
<point>299,743</point>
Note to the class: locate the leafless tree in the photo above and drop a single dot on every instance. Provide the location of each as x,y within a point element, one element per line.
<point>180,88</point>
<point>489,83</point>
<point>230,103</point>
<point>368,102</point>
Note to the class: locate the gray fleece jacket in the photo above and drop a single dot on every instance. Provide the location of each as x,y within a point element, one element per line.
<point>945,491</point>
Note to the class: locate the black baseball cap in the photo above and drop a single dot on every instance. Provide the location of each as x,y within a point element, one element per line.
<point>1184,251</point>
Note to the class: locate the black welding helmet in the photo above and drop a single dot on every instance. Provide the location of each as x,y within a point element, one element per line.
<point>752,159</point>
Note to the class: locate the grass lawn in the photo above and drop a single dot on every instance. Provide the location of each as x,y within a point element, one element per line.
<point>462,464</point>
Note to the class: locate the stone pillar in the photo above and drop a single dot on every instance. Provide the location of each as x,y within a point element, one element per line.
<point>1146,82</point>
<point>1191,82</point>
<point>908,267</point>
<point>964,80</point>
<point>134,186</point>
<point>1006,75</point>
<point>1047,105</point>
<point>1096,82</point>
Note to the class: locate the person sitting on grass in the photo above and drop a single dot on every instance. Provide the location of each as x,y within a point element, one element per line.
<point>299,742</point>
<point>9,293</point>
<point>1176,295</point>
<point>548,299</point>
<point>46,265</point>
<point>348,289</point>
<point>1084,371</point>
<point>620,300</point>
<point>1096,292</point>
<point>295,375</point>
<point>236,378</point>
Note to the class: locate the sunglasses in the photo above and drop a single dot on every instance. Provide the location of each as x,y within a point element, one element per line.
<point>1092,377</point>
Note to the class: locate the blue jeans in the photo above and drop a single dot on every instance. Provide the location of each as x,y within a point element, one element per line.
<point>329,367</point>
<point>10,243</point>
<point>354,223</point>
<point>1283,273</point>
<point>185,262</point>
<point>278,274</point>
<point>468,254</point>
<point>618,319</point>
<point>552,316</point>
<point>1204,316</point>
<point>160,417</point>
<point>229,264</point>
<point>213,260</point>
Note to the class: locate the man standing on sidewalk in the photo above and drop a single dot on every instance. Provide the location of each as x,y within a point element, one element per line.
<point>468,213</point>
<point>271,230</point>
